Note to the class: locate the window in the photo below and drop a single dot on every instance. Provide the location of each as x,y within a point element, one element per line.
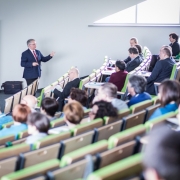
<point>149,12</point>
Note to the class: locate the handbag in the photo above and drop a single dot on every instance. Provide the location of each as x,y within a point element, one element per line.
<point>11,87</point>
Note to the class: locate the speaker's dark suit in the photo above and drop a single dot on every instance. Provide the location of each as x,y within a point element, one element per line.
<point>66,92</point>
<point>161,71</point>
<point>131,65</point>
<point>30,71</point>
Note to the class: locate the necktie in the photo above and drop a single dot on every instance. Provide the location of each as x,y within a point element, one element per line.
<point>35,55</point>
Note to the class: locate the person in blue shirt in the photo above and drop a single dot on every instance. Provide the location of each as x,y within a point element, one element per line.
<point>169,95</point>
<point>38,126</point>
<point>19,114</point>
<point>136,89</point>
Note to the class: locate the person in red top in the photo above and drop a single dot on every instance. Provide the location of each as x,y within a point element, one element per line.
<point>118,78</point>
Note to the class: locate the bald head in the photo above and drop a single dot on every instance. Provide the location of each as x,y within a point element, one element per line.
<point>30,101</point>
<point>73,74</point>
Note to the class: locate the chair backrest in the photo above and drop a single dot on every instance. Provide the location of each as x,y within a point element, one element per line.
<point>51,139</point>
<point>116,154</point>
<point>5,139</point>
<point>8,105</point>
<point>125,84</point>
<point>156,100</point>
<point>150,110</point>
<point>92,76</point>
<point>34,87</point>
<point>79,129</point>
<point>14,151</point>
<point>13,143</point>
<point>29,89</point>
<point>173,72</point>
<point>38,156</point>
<point>126,136</point>
<point>73,171</point>
<point>121,114</point>
<point>83,82</point>
<point>106,131</point>
<point>178,74</point>
<point>74,143</point>
<point>57,122</point>
<point>40,98</point>
<point>48,91</point>
<point>122,169</point>
<point>140,106</point>
<point>7,125</point>
<point>8,166</point>
<point>159,120</point>
<point>39,169</point>
<point>17,98</point>
<point>23,134</point>
<point>134,119</point>
<point>82,152</point>
<point>23,93</point>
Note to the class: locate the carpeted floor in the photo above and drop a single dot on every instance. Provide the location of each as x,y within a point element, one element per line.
<point>5,96</point>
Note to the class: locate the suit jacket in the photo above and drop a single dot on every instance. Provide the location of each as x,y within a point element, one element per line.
<point>131,65</point>
<point>30,71</point>
<point>66,92</point>
<point>118,79</point>
<point>175,48</point>
<point>161,71</point>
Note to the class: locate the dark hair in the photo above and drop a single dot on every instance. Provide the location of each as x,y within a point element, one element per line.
<point>20,113</point>
<point>174,36</point>
<point>40,121</point>
<point>105,109</point>
<point>162,153</point>
<point>139,48</point>
<point>138,83</point>
<point>50,106</point>
<point>121,65</point>
<point>109,89</point>
<point>170,91</point>
<point>79,95</point>
<point>29,41</point>
<point>133,50</point>
<point>74,112</point>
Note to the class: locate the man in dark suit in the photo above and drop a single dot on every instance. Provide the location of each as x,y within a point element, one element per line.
<point>31,61</point>
<point>118,78</point>
<point>135,59</point>
<point>73,82</point>
<point>162,69</point>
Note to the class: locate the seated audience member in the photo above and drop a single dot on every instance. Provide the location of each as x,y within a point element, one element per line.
<point>135,59</point>
<point>140,51</point>
<point>173,37</point>
<point>108,92</point>
<point>49,107</point>
<point>73,114</point>
<point>30,101</point>
<point>73,82</point>
<point>169,95</point>
<point>133,42</point>
<point>79,96</point>
<point>100,109</point>
<point>19,114</point>
<point>162,69</point>
<point>118,78</point>
<point>161,158</point>
<point>136,88</point>
<point>38,126</point>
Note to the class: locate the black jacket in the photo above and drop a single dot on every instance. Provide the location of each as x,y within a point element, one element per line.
<point>175,48</point>
<point>131,65</point>
<point>161,71</point>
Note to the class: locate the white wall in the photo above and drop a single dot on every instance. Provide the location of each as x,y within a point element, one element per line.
<point>62,26</point>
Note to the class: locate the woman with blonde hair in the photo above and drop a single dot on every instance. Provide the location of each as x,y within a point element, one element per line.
<point>73,114</point>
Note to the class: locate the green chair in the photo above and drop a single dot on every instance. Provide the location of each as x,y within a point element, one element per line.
<point>5,139</point>
<point>51,139</point>
<point>82,152</point>
<point>7,125</point>
<point>126,136</point>
<point>57,122</point>
<point>140,106</point>
<point>30,172</point>
<point>126,168</point>
<point>116,154</point>
<point>40,98</point>
<point>83,82</point>
<point>159,120</point>
<point>14,150</point>
<point>89,126</point>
